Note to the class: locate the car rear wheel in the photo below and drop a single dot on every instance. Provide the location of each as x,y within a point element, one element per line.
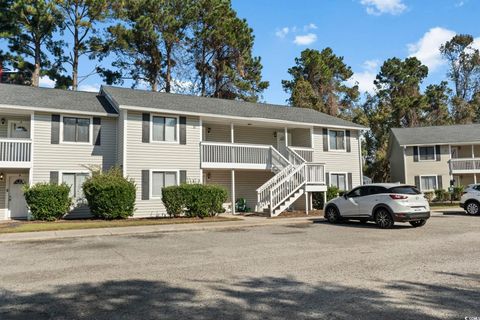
<point>332,215</point>
<point>383,218</point>
<point>472,207</point>
<point>418,223</point>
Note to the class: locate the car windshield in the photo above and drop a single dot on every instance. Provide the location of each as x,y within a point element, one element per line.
<point>404,190</point>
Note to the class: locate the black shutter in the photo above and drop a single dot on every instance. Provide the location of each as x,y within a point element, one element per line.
<point>55,132</point>
<point>437,152</point>
<point>183,176</point>
<point>415,154</point>
<point>347,138</point>
<point>440,183</point>
<point>327,178</point>
<point>417,182</point>
<point>54,177</point>
<point>145,127</point>
<point>350,184</point>
<point>145,184</point>
<point>325,139</point>
<point>97,131</point>
<point>183,130</point>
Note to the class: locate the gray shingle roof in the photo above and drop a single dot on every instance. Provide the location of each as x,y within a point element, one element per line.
<point>195,104</point>
<point>47,98</point>
<point>437,135</point>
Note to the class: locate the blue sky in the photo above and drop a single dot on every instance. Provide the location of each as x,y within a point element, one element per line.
<point>364,32</point>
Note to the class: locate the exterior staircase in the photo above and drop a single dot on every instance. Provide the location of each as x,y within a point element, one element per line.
<point>288,184</point>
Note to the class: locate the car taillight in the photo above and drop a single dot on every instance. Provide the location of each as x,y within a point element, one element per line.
<point>398,197</point>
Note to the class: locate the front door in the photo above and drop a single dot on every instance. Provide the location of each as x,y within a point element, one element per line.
<point>281,145</point>
<point>454,152</point>
<point>19,129</point>
<point>17,205</point>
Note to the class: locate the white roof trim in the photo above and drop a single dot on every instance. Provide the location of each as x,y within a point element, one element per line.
<point>200,114</point>
<point>53,110</point>
<point>439,144</point>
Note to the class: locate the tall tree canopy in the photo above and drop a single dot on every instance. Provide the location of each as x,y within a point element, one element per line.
<point>437,101</point>
<point>319,82</point>
<point>31,37</point>
<point>80,18</point>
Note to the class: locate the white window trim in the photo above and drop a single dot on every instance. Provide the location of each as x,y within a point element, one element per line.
<point>150,180</point>
<point>429,176</point>
<point>344,140</point>
<point>177,128</point>
<point>61,173</point>
<point>337,173</point>
<point>90,130</point>
<point>434,153</point>
<point>9,132</point>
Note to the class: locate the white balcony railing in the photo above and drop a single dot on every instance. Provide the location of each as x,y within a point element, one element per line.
<point>464,165</point>
<point>305,153</point>
<point>15,151</point>
<point>235,155</point>
<point>315,173</point>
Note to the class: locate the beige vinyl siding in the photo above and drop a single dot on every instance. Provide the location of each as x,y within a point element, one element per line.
<point>339,161</point>
<point>3,204</point>
<point>246,183</point>
<point>120,136</point>
<point>397,163</point>
<point>72,157</point>
<point>160,156</point>
<point>218,132</point>
<point>427,168</point>
<point>242,134</point>
<point>4,128</point>
<point>300,137</point>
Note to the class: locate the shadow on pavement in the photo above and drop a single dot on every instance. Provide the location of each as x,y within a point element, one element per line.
<point>252,298</point>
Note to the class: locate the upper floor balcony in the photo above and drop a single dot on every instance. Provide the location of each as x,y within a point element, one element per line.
<point>15,140</point>
<point>464,159</point>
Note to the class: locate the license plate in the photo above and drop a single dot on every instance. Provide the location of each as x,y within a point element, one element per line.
<point>419,209</point>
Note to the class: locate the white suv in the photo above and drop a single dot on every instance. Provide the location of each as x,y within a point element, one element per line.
<point>383,203</point>
<point>470,200</point>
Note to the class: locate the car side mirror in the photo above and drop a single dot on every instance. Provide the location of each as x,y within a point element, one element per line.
<point>345,196</point>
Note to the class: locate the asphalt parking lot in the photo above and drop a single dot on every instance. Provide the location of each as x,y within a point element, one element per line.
<point>317,271</point>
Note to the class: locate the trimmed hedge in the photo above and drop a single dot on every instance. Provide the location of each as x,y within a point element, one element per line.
<point>48,201</point>
<point>441,195</point>
<point>110,195</point>
<point>194,200</point>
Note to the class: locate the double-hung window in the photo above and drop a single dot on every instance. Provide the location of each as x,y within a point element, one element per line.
<point>75,182</point>
<point>426,153</point>
<point>164,129</point>
<point>76,129</point>
<point>336,140</point>
<point>161,179</point>
<point>339,180</point>
<point>428,183</point>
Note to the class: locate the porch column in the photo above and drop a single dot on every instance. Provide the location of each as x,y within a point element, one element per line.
<point>324,199</point>
<point>306,203</point>
<point>232,135</point>
<point>286,138</point>
<point>233,192</point>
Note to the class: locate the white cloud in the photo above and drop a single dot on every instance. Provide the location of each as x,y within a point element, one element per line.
<point>427,49</point>
<point>304,40</point>
<point>282,32</point>
<point>365,79</point>
<point>310,26</point>
<point>379,7</point>
<point>46,82</point>
<point>94,87</point>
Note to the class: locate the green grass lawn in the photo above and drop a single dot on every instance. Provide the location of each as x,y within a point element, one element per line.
<point>32,226</point>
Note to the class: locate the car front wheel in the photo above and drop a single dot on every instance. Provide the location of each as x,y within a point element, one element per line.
<point>418,223</point>
<point>332,215</point>
<point>384,219</point>
<point>472,207</point>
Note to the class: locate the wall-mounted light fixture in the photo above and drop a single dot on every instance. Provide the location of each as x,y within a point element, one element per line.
<point>209,130</point>
<point>3,121</point>
<point>209,175</point>
<point>2,176</point>
<point>274,134</point>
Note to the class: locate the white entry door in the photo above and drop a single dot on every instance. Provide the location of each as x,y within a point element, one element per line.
<point>17,205</point>
<point>281,146</point>
<point>19,129</point>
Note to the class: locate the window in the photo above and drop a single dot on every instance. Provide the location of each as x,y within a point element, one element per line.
<point>76,129</point>
<point>372,190</point>
<point>162,179</point>
<point>336,140</point>
<point>339,180</point>
<point>426,153</point>
<point>428,183</point>
<point>75,182</point>
<point>404,190</point>
<point>164,129</point>
<point>356,193</point>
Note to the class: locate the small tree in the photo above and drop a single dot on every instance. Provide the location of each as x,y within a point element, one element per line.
<point>48,201</point>
<point>110,195</point>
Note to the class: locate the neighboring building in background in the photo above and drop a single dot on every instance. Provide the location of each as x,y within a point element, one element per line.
<point>273,156</point>
<point>431,157</point>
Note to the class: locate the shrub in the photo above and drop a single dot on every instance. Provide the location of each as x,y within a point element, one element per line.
<point>441,195</point>
<point>48,201</point>
<point>429,195</point>
<point>194,200</point>
<point>110,195</point>
<point>457,193</point>
<point>332,192</point>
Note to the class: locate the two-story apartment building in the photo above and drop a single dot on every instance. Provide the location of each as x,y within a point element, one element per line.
<point>273,156</point>
<point>431,157</point>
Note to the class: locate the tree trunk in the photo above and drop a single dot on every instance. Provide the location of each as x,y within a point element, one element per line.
<point>154,85</point>
<point>168,75</point>
<point>75,62</point>
<point>37,68</point>
<point>203,74</point>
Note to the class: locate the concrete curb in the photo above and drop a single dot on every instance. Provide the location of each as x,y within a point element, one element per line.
<point>246,222</point>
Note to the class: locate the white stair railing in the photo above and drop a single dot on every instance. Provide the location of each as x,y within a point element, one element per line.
<point>285,188</point>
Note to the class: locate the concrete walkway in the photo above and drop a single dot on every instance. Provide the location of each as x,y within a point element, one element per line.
<point>244,222</point>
